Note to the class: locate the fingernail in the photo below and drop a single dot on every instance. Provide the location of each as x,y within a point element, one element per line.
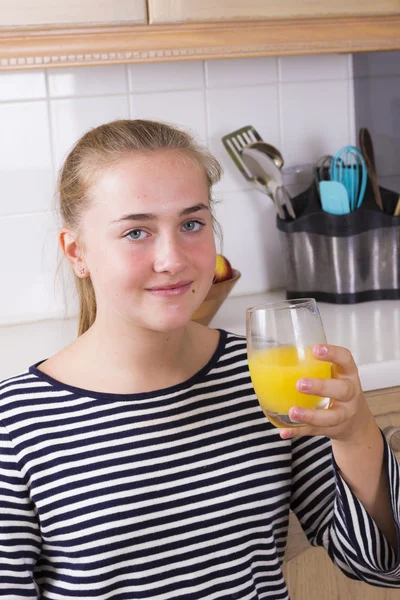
<point>304,384</point>
<point>286,434</point>
<point>321,350</point>
<point>297,413</point>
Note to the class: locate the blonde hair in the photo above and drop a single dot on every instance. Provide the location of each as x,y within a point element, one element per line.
<point>100,149</point>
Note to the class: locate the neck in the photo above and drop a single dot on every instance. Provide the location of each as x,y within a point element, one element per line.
<point>123,359</point>
<point>127,346</point>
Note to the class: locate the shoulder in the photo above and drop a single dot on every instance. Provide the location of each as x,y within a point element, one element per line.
<point>21,388</point>
<point>232,347</point>
<point>15,382</point>
<point>233,340</point>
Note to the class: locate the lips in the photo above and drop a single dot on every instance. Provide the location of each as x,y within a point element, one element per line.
<point>171,289</point>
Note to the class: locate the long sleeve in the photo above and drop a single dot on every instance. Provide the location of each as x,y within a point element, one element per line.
<point>19,530</point>
<point>334,518</point>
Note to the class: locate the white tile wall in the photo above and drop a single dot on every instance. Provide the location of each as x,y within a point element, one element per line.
<point>28,264</point>
<point>183,108</point>
<point>321,129</point>
<point>303,105</point>
<point>377,103</point>
<point>26,180</point>
<point>72,117</point>
<point>87,81</point>
<point>21,85</point>
<point>162,77</point>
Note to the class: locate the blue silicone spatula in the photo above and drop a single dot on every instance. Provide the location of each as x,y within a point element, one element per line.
<point>334,198</point>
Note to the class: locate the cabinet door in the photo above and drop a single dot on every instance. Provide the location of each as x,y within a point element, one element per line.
<point>20,13</point>
<point>167,11</point>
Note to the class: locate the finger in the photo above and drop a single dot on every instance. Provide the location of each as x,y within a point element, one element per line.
<point>340,389</point>
<point>287,434</point>
<point>340,357</point>
<point>314,421</point>
<point>319,418</point>
<point>302,431</point>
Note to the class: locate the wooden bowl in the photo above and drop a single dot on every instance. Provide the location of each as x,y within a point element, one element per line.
<point>215,297</point>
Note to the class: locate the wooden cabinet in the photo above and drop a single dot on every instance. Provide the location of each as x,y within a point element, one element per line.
<point>308,571</point>
<point>53,12</point>
<point>172,11</point>
<point>49,33</point>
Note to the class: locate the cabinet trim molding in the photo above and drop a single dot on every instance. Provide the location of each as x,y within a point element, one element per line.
<point>96,45</point>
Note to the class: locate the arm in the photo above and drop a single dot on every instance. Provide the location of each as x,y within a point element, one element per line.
<point>19,529</point>
<point>361,465</point>
<point>362,517</point>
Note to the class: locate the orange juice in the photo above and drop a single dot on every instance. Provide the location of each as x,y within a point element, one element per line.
<point>274,372</point>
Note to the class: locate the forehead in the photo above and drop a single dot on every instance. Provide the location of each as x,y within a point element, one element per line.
<point>151,181</point>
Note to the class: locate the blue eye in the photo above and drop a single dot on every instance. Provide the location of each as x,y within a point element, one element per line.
<point>193,226</point>
<point>136,234</point>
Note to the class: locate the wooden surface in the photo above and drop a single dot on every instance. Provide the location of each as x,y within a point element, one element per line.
<point>54,12</point>
<point>22,48</point>
<point>312,576</point>
<point>308,571</point>
<point>168,11</point>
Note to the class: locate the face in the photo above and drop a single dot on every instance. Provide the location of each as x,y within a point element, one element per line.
<point>148,240</point>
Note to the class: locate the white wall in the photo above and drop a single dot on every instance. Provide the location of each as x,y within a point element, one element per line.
<point>377,106</point>
<point>302,105</point>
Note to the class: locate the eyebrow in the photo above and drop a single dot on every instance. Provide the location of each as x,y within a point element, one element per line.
<point>150,216</point>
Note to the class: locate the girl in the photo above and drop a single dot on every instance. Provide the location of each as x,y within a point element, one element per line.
<point>137,463</point>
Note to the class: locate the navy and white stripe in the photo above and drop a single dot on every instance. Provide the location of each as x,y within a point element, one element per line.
<point>179,494</point>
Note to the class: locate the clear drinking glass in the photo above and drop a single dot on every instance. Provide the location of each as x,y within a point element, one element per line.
<point>280,337</point>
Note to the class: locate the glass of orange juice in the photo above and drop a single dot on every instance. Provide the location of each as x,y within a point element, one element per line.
<point>280,337</point>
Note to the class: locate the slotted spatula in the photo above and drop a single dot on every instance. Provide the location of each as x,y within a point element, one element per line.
<point>235,142</point>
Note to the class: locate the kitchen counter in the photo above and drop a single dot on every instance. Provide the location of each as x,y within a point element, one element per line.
<point>371,330</point>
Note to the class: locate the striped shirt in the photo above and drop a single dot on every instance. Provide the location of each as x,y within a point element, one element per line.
<point>182,493</point>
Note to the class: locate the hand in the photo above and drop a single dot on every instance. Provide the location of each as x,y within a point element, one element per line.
<point>349,414</point>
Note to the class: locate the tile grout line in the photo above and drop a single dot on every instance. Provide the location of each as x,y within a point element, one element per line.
<point>51,132</point>
<point>205,97</point>
<point>128,90</point>
<point>279,99</point>
<point>173,90</point>
<point>351,101</point>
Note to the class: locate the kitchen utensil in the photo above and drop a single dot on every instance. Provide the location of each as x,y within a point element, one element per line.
<point>235,142</point>
<point>260,177</point>
<point>297,178</point>
<point>348,167</point>
<point>367,150</point>
<point>334,198</point>
<point>248,137</point>
<point>265,168</point>
<point>322,169</point>
<point>270,151</point>
<point>245,138</point>
<point>397,209</point>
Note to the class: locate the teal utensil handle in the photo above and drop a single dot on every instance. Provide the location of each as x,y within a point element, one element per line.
<point>345,168</point>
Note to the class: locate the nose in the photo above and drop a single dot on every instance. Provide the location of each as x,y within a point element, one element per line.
<point>170,256</point>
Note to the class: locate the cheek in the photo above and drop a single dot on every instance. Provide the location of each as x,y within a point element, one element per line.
<point>206,256</point>
<point>112,266</point>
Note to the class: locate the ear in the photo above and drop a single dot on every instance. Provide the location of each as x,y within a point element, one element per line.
<point>73,251</point>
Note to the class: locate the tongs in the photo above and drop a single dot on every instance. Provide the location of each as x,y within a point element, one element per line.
<point>253,158</point>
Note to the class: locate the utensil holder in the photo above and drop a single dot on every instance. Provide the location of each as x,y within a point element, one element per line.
<point>343,259</point>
